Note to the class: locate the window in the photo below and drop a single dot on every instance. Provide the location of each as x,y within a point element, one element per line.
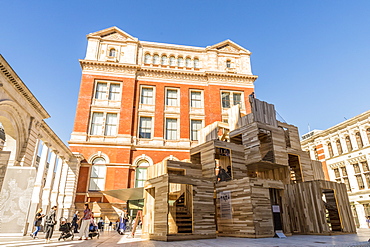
<point>344,171</point>
<point>356,168</point>
<point>164,60</point>
<point>368,134</point>
<point>103,123</point>
<point>97,175</point>
<point>360,144</point>
<point>196,99</point>
<point>146,96</point>
<point>346,182</point>
<point>228,64</point>
<point>145,127</point>
<point>330,150</point>
<point>196,63</point>
<point>102,93</point>
<point>225,100</point>
<point>156,59</point>
<point>112,52</point>
<point>365,166</point>
<point>114,92</point>
<point>339,147</point>
<point>180,62</point>
<point>229,99</point>
<point>111,124</point>
<point>172,61</point>
<point>171,97</point>
<point>188,62</point>
<point>195,125</point>
<point>349,144</point>
<point>171,129</point>
<point>360,182</point>
<point>101,90</point>
<point>141,173</point>
<point>316,154</point>
<point>147,58</point>
<point>367,178</point>
<point>97,123</point>
<point>336,172</point>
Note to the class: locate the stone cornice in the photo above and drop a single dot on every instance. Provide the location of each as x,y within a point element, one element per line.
<point>21,87</point>
<point>169,74</point>
<point>55,138</point>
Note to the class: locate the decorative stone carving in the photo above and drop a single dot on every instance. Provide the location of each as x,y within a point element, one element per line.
<point>172,75</point>
<point>114,68</point>
<point>228,48</point>
<point>115,36</point>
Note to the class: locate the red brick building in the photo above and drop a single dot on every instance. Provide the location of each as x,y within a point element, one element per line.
<point>143,102</point>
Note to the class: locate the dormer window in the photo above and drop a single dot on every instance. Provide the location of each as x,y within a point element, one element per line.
<point>228,64</point>
<point>112,52</point>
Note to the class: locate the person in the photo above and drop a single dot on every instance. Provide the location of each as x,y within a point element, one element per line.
<point>368,221</point>
<point>110,226</point>
<point>85,224</point>
<point>37,224</point>
<point>222,175</point>
<point>50,222</point>
<point>74,222</point>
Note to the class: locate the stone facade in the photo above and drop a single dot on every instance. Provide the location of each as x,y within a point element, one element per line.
<point>37,168</point>
<point>142,102</point>
<point>344,150</point>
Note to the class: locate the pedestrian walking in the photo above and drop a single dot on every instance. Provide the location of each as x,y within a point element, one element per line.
<point>74,222</point>
<point>85,223</point>
<point>50,222</point>
<point>37,223</point>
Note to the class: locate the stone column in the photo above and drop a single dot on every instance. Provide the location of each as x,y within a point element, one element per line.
<point>62,186</point>
<point>36,194</point>
<point>55,191</point>
<point>69,191</point>
<point>361,215</point>
<point>47,188</point>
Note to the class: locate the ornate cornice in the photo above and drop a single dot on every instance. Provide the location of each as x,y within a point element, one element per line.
<point>166,74</point>
<point>108,67</point>
<point>13,78</point>
<point>337,165</point>
<point>357,159</point>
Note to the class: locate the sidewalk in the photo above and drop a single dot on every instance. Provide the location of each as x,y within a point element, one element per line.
<point>112,238</point>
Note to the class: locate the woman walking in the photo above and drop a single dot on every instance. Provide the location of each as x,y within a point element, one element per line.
<point>86,220</point>
<point>37,224</point>
<point>50,222</point>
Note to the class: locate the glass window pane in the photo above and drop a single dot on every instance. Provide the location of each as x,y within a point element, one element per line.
<point>237,99</point>
<point>114,91</point>
<point>180,62</point>
<point>172,61</point>
<point>195,126</point>
<point>225,96</point>
<point>101,91</point>
<point>147,58</point>
<point>171,98</point>
<point>196,63</point>
<point>147,96</point>
<point>171,129</point>
<point>155,59</point>
<point>188,62</point>
<point>196,99</point>
<point>145,127</point>
<point>111,124</point>
<point>164,60</point>
<point>96,123</point>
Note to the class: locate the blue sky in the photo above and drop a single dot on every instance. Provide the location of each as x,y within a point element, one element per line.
<point>312,57</point>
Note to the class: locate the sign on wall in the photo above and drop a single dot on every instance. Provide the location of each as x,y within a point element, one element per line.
<point>225,205</point>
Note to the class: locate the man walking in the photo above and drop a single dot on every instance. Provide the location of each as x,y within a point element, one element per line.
<point>50,222</point>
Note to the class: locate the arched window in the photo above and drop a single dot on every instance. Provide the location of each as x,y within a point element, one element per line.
<point>180,62</point>
<point>156,59</point>
<point>339,147</point>
<point>349,144</point>
<point>172,61</point>
<point>330,149</point>
<point>112,52</point>
<point>368,134</point>
<point>360,144</point>
<point>196,63</point>
<point>147,58</point>
<point>164,60</point>
<point>228,64</point>
<point>97,175</point>
<point>188,62</point>
<point>142,165</point>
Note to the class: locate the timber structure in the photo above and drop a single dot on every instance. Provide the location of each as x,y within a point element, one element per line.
<point>247,178</point>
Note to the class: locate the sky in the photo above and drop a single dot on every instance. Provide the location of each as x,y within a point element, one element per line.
<point>311,57</point>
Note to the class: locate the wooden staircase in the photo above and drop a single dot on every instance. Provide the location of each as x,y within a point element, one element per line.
<point>183,216</point>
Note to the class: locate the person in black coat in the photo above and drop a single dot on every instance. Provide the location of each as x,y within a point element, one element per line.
<point>74,222</point>
<point>37,223</point>
<point>50,222</point>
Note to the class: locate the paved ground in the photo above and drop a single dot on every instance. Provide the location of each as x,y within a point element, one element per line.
<point>108,239</point>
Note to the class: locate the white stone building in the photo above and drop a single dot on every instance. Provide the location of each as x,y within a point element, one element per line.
<point>344,150</point>
<point>37,170</point>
